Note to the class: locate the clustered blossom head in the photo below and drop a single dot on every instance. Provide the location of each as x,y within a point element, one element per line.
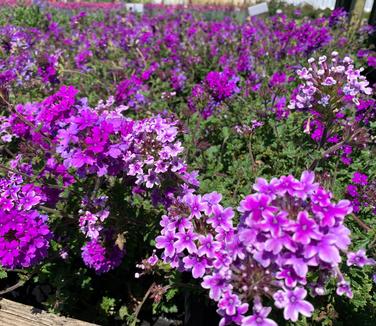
<point>102,255</point>
<point>83,142</point>
<point>212,92</point>
<point>101,252</point>
<point>24,232</point>
<point>288,230</point>
<point>329,88</point>
<point>99,140</point>
<point>129,92</point>
<point>245,129</point>
<point>362,193</point>
<point>338,99</point>
<point>91,224</point>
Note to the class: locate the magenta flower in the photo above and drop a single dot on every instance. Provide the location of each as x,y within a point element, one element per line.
<point>256,206</point>
<point>195,204</point>
<point>208,247</point>
<point>221,218</point>
<point>359,259</point>
<point>211,200</point>
<point>287,185</point>
<point>343,288</point>
<point>305,229</point>
<point>321,197</point>
<point>306,186</point>
<point>229,303</point>
<point>216,283</point>
<point>275,223</point>
<point>293,303</point>
<point>325,249</point>
<point>166,242</point>
<point>360,179</point>
<point>259,318</point>
<point>186,241</point>
<point>31,199</point>
<point>266,188</point>
<point>197,264</point>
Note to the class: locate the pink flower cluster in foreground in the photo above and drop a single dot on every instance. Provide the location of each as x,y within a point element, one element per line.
<point>288,229</point>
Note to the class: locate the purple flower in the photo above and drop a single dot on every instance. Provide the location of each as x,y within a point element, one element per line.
<point>186,241</point>
<point>352,190</point>
<point>305,229</point>
<point>275,223</point>
<point>24,238</point>
<point>208,246</point>
<point>293,303</point>
<point>359,259</point>
<point>166,242</point>
<point>343,288</point>
<point>216,283</point>
<point>221,218</point>
<point>306,186</point>
<point>360,179</point>
<point>259,318</point>
<point>197,264</point>
<point>229,303</point>
<point>102,258</point>
<point>325,249</point>
<point>256,207</point>
<point>195,204</point>
<point>211,200</point>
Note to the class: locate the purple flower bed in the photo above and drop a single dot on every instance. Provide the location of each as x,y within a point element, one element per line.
<point>148,159</point>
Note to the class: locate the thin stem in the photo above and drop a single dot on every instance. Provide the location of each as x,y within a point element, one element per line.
<point>138,309</point>
<point>14,287</point>
<point>363,225</point>
<point>252,157</point>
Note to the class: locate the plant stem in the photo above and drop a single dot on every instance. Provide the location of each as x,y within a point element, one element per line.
<point>138,309</point>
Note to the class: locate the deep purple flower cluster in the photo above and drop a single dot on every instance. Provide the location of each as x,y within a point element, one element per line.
<point>101,252</point>
<point>129,92</point>
<point>24,233</point>
<point>102,256</point>
<point>362,192</point>
<point>289,229</point>
<point>212,92</point>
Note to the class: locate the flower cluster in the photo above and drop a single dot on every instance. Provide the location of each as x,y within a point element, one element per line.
<point>24,233</point>
<point>362,192</point>
<point>78,142</point>
<point>215,89</point>
<point>288,230</point>
<point>102,255</point>
<point>337,98</point>
<point>99,140</point>
<point>129,92</point>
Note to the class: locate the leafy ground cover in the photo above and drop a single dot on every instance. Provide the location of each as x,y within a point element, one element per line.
<point>185,160</point>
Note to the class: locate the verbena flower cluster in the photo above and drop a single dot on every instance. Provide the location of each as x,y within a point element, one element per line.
<point>338,99</point>
<point>83,142</point>
<point>288,230</point>
<point>179,88</point>
<point>24,232</point>
<point>362,193</point>
<point>207,97</point>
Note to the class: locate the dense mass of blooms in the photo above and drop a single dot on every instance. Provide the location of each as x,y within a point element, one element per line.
<point>362,193</point>
<point>83,142</point>
<point>215,89</point>
<point>288,229</point>
<point>339,101</point>
<point>89,172</point>
<point>24,233</point>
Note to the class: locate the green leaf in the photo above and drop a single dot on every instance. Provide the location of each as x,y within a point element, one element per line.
<point>3,273</point>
